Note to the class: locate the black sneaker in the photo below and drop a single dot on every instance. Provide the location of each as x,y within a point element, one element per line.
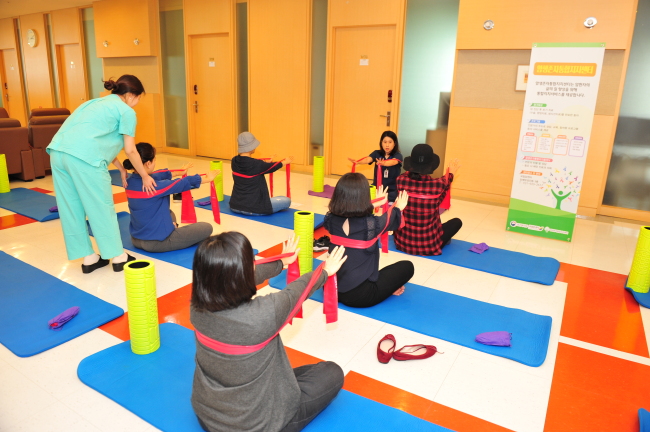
<point>177,197</point>
<point>322,244</point>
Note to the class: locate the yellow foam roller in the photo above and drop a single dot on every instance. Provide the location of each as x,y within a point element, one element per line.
<point>639,279</point>
<point>142,304</point>
<point>218,180</point>
<point>4,175</point>
<point>303,226</point>
<point>319,174</point>
<point>373,192</point>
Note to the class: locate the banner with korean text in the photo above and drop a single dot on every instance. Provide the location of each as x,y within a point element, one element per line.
<point>554,138</point>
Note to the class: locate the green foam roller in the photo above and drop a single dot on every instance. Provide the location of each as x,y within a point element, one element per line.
<point>373,192</point>
<point>639,279</point>
<point>4,175</point>
<point>218,180</point>
<point>142,304</point>
<point>303,226</point>
<point>319,174</point>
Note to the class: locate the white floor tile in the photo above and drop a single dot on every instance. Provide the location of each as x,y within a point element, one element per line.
<point>496,393</point>
<point>55,418</point>
<point>103,413</point>
<point>421,377</point>
<point>20,397</point>
<point>55,370</point>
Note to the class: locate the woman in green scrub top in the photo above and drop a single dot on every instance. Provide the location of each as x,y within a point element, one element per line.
<point>80,152</point>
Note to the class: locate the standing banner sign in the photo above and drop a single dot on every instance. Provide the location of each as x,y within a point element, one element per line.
<point>554,139</point>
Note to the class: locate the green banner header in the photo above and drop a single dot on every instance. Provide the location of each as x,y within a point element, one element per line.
<point>570,45</point>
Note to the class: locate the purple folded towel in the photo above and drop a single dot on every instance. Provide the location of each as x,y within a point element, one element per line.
<point>54,209</point>
<point>479,248</point>
<point>495,338</point>
<point>58,321</point>
<point>327,192</point>
<point>203,203</point>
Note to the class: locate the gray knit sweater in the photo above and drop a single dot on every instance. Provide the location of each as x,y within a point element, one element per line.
<point>251,392</point>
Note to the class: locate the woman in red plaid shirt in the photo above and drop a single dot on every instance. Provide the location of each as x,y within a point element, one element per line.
<point>423,232</point>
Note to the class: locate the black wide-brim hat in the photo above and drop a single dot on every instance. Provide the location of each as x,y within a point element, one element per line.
<point>422,160</point>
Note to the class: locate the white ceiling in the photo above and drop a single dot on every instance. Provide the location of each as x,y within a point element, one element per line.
<point>14,8</point>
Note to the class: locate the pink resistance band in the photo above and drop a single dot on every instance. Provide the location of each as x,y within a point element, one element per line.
<point>329,309</point>
<point>446,200</point>
<point>288,171</point>
<point>365,244</point>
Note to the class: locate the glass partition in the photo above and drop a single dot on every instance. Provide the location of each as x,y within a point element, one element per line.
<point>628,181</point>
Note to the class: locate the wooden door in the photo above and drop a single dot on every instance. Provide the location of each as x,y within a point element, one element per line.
<point>211,96</point>
<point>12,90</point>
<point>72,77</point>
<point>363,74</point>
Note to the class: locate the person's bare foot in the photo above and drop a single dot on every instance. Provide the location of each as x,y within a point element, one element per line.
<point>399,291</point>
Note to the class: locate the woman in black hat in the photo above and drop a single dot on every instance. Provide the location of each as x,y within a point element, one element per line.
<point>423,232</point>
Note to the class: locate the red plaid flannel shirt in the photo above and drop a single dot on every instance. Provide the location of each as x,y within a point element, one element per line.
<point>422,232</point>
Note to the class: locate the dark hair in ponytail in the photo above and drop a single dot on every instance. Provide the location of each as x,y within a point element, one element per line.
<point>124,84</point>
<point>414,175</point>
<point>147,154</point>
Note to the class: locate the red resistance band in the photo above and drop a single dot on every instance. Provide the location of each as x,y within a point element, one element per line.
<point>432,197</point>
<point>330,309</point>
<point>188,212</point>
<point>288,170</point>
<point>354,164</point>
<point>365,244</point>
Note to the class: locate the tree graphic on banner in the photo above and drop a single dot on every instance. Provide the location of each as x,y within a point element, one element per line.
<point>561,185</point>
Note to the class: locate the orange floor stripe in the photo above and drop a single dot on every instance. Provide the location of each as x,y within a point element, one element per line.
<point>119,197</point>
<point>45,191</point>
<point>417,406</point>
<point>596,392</point>
<point>14,220</point>
<point>599,311</point>
<point>173,307</point>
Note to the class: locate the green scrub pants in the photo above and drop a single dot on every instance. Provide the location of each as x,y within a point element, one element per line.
<point>85,190</point>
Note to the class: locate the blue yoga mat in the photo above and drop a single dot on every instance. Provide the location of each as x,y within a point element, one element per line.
<point>502,262</point>
<point>29,203</point>
<point>157,388</point>
<point>282,219</point>
<point>29,298</point>
<point>116,177</point>
<point>182,257</point>
<point>457,319</point>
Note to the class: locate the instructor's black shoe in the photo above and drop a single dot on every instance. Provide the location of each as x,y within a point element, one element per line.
<point>91,268</point>
<point>120,266</point>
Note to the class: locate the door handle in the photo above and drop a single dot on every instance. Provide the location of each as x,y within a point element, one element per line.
<point>387,117</point>
<point>196,106</point>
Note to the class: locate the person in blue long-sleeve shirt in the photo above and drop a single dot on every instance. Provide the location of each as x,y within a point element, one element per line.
<point>153,225</point>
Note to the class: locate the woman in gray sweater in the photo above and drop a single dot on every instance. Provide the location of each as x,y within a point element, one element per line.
<point>243,380</point>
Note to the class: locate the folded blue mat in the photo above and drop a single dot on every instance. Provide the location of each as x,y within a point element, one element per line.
<point>116,177</point>
<point>282,219</point>
<point>644,420</point>
<point>29,298</point>
<point>502,262</point>
<point>29,203</point>
<point>457,319</point>
<point>182,257</point>
<point>157,388</point>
